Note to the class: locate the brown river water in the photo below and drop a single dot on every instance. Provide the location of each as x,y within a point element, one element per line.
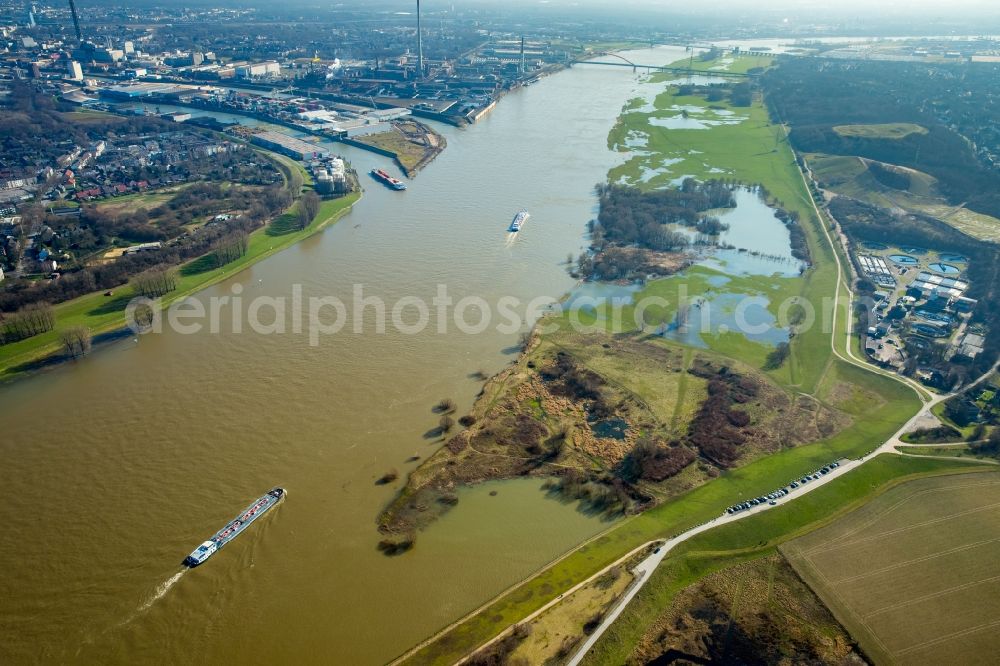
<point>117,466</point>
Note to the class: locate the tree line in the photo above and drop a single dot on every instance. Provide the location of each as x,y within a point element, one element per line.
<point>631,221</point>
<point>27,321</point>
<point>958,105</point>
<point>225,241</point>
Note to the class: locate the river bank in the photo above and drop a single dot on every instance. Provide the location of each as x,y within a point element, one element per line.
<point>104,315</point>
<point>560,410</point>
<point>411,144</point>
<point>810,376</point>
<point>130,425</point>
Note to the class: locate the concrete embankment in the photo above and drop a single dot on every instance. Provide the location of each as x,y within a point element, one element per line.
<point>433,145</point>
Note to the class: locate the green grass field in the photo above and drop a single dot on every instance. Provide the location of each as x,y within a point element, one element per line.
<point>755,612</point>
<point>730,63</point>
<point>958,450</point>
<point>689,510</point>
<point>882,131</point>
<point>102,313</point>
<point>752,151</point>
<point>90,116</point>
<point>912,575</point>
<point>408,154</point>
<point>757,537</point>
<point>850,176</point>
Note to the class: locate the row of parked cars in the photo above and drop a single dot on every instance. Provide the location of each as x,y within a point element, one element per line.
<point>772,498</point>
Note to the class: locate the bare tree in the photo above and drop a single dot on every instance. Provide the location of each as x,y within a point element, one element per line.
<point>308,208</point>
<point>28,321</point>
<point>143,316</point>
<point>155,282</point>
<point>446,406</point>
<point>446,424</point>
<point>76,340</point>
<point>232,247</point>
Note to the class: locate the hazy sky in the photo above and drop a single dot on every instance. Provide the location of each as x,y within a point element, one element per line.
<point>798,5</point>
<point>971,12</point>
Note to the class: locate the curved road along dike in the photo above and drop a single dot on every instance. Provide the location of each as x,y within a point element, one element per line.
<point>645,568</point>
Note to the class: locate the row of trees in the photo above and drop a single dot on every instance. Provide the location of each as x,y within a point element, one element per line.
<point>225,241</point>
<point>155,282</point>
<point>28,321</point>
<point>308,209</point>
<point>76,341</point>
<point>38,318</point>
<point>231,247</point>
<point>956,105</point>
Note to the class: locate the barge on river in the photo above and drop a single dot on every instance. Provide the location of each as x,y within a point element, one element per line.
<point>235,527</point>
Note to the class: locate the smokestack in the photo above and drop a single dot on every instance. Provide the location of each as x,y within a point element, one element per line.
<point>420,46</point>
<point>522,55</point>
<point>76,21</point>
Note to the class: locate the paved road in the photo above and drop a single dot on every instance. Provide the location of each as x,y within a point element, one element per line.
<point>644,570</point>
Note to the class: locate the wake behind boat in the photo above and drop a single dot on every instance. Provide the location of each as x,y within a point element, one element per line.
<point>518,221</point>
<point>234,527</point>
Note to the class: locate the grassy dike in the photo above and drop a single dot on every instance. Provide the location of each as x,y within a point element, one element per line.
<point>754,151</point>
<point>678,515</point>
<point>103,314</point>
<point>757,537</point>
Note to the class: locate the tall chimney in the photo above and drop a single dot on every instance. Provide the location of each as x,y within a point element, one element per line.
<point>76,21</point>
<point>522,55</point>
<point>420,46</point>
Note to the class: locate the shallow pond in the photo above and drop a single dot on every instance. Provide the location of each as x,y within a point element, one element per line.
<point>720,313</point>
<point>589,296</point>
<point>761,243</point>
<point>611,428</point>
<point>681,121</point>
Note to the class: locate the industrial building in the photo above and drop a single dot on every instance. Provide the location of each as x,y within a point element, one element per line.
<point>143,89</point>
<point>254,70</point>
<point>876,269</point>
<point>344,126</point>
<point>972,345</point>
<point>330,176</point>
<point>289,145</point>
<point>929,285</point>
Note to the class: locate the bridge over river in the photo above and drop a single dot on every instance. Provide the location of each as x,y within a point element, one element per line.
<point>625,62</point>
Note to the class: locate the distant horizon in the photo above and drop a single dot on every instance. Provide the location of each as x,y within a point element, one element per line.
<point>869,8</point>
